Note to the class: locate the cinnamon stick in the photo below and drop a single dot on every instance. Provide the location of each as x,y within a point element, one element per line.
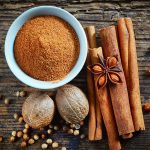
<point>132,68</point>
<point>91,34</point>
<point>119,93</point>
<point>106,106</point>
<point>91,98</point>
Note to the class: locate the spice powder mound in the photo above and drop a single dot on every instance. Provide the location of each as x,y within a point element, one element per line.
<point>46,48</point>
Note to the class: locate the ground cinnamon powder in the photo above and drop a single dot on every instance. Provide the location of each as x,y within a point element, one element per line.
<point>46,48</point>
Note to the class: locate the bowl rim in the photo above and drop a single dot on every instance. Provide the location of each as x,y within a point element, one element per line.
<point>26,79</point>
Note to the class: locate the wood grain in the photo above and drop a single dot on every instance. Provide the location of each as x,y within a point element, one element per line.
<point>100,13</point>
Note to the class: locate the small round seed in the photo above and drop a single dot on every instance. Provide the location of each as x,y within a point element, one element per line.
<point>51,126</point>
<point>31,141</point>
<point>43,136</point>
<point>14,133</point>
<point>17,94</point>
<point>1,138</point>
<point>16,116</point>
<point>70,131</point>
<point>49,141</point>
<point>41,129</point>
<point>19,134</point>
<point>56,128</point>
<point>55,145</point>
<point>82,123</point>
<point>7,101</point>
<point>72,126</point>
<point>27,126</point>
<point>20,120</point>
<point>44,146</point>
<point>12,139</point>
<point>65,128</point>
<point>23,144</point>
<point>63,148</point>
<point>77,126</point>
<point>82,136</point>
<point>49,131</point>
<point>22,94</point>
<point>76,132</point>
<point>25,131</point>
<point>25,137</point>
<point>36,137</point>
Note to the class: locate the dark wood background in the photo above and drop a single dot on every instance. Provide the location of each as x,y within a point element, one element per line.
<point>89,12</point>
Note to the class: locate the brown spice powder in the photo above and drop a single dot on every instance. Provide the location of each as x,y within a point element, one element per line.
<point>46,48</point>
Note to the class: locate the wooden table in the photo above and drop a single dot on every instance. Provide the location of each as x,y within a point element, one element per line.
<point>89,12</point>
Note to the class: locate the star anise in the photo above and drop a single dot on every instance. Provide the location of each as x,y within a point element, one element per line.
<point>106,70</point>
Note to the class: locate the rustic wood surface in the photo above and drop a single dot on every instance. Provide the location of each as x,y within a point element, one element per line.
<point>89,12</point>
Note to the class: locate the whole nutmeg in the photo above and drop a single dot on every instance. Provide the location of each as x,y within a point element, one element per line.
<point>38,110</point>
<point>72,104</point>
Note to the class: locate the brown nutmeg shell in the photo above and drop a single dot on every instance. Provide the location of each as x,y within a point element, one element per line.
<point>72,103</point>
<point>38,110</point>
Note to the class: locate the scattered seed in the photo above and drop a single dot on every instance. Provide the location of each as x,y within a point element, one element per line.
<point>77,126</point>
<point>56,128</point>
<point>41,129</point>
<point>49,131</point>
<point>7,101</point>
<point>44,146</point>
<point>76,132</point>
<point>12,139</point>
<point>25,131</point>
<point>65,128</point>
<point>27,126</point>
<point>23,144</point>
<point>14,133</point>
<point>20,120</point>
<point>25,137</point>
<point>1,138</point>
<point>51,126</point>
<point>43,136</point>
<point>19,134</point>
<point>81,123</point>
<point>16,116</point>
<point>36,137</point>
<point>17,94</point>
<point>72,126</point>
<point>63,148</point>
<point>82,136</point>
<point>22,94</point>
<point>55,145</point>
<point>70,131</point>
<point>31,141</point>
<point>49,141</point>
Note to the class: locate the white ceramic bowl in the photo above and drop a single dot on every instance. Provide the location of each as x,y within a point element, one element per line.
<point>11,35</point>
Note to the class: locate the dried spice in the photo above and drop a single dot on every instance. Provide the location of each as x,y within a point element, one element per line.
<point>106,70</point>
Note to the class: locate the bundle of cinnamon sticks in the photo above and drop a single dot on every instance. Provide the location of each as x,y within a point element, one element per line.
<point>113,83</point>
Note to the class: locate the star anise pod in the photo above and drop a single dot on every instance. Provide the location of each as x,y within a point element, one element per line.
<point>106,70</point>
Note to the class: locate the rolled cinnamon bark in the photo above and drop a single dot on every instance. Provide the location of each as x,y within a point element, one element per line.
<point>119,93</point>
<point>91,36</point>
<point>106,106</point>
<point>91,98</point>
<point>134,88</point>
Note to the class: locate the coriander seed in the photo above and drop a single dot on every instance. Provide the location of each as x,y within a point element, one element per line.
<point>77,126</point>
<point>20,120</point>
<point>65,128</point>
<point>82,136</point>
<point>49,131</point>
<point>49,141</point>
<point>7,101</point>
<point>23,144</point>
<point>76,132</point>
<point>19,134</point>
<point>72,126</point>
<point>25,137</point>
<point>81,123</point>
<point>22,94</point>
<point>55,145</point>
<point>27,126</point>
<point>16,116</point>
<point>44,146</point>
<point>14,133</point>
<point>43,136</point>
<point>25,131</point>
<point>12,139</point>
<point>70,131</point>
<point>1,138</point>
<point>36,137</point>
<point>17,94</point>
<point>51,126</point>
<point>31,141</point>
<point>56,128</point>
<point>63,148</point>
